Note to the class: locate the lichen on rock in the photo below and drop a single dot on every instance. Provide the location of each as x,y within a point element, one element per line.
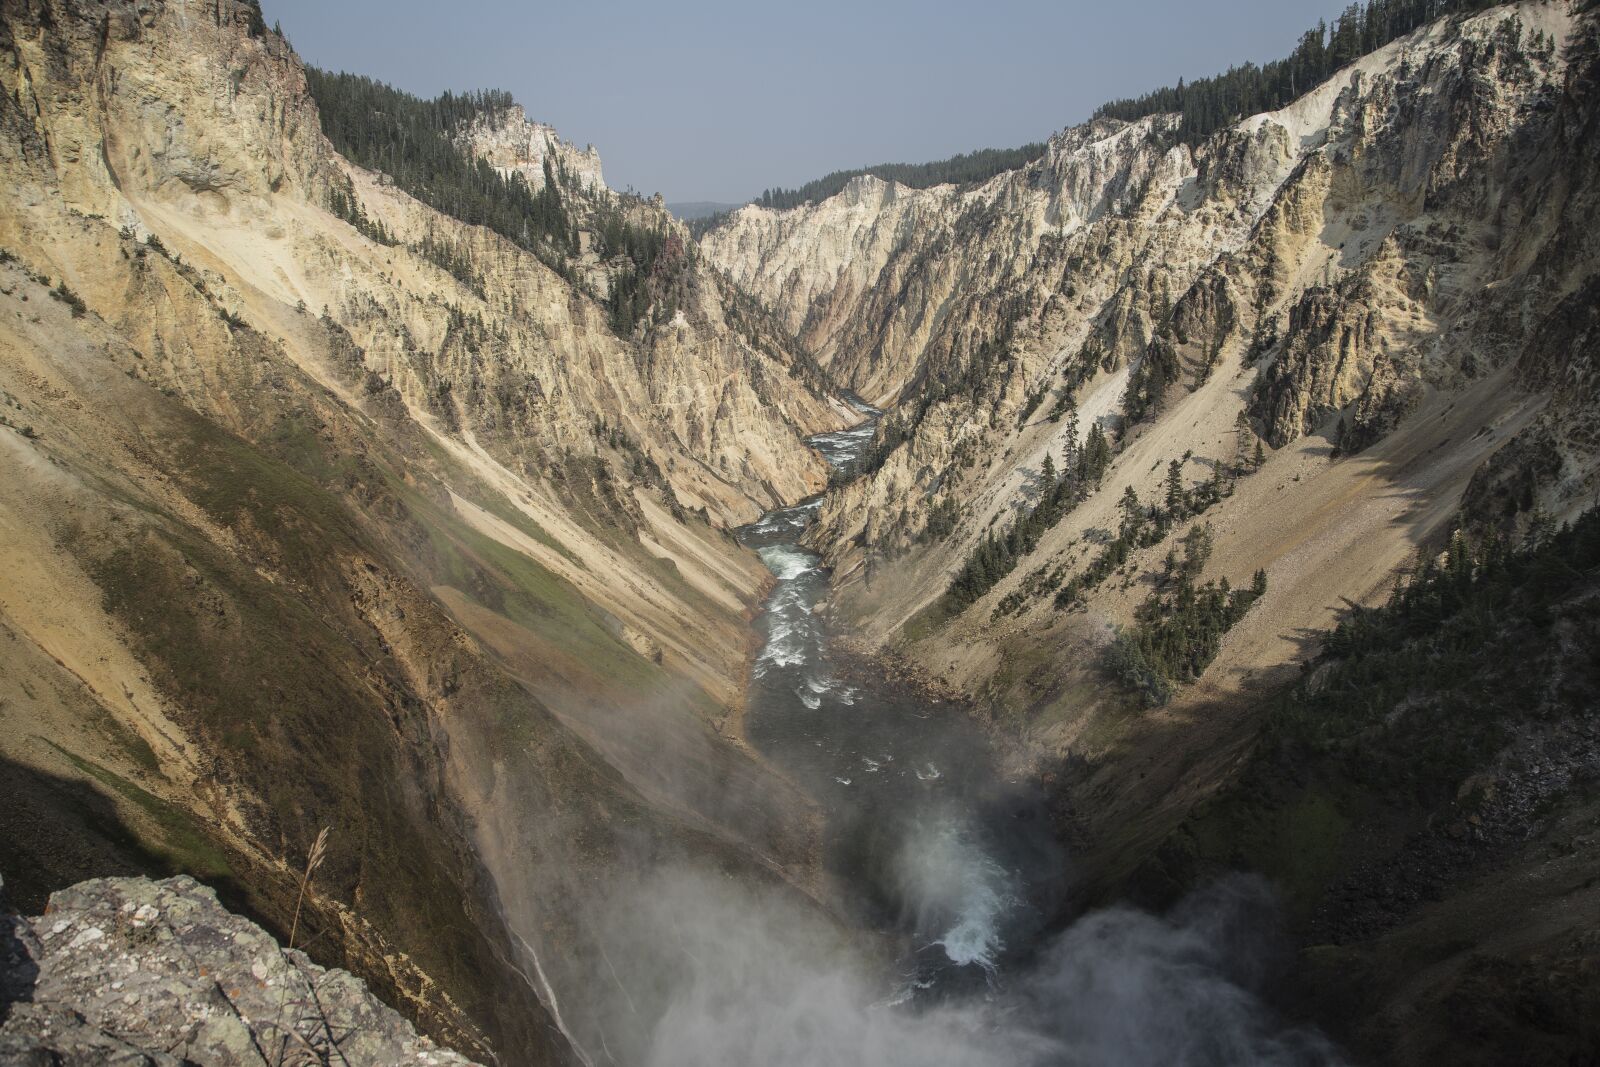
<point>134,971</point>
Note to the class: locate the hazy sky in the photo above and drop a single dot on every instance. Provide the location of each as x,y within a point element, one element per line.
<point>716,100</point>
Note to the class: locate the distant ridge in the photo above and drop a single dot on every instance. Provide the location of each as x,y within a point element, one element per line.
<point>689,210</point>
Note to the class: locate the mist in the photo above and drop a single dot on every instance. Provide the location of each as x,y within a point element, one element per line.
<point>924,935</point>
<point>704,970</point>
<point>928,943</point>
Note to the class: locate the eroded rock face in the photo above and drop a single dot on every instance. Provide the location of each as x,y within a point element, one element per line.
<point>513,143</point>
<point>1384,290</point>
<point>135,972</point>
<point>210,137</point>
<point>433,554</point>
<point>1399,233</point>
<point>1324,363</point>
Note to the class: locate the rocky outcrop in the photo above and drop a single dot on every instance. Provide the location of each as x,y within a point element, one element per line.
<point>1329,360</point>
<point>512,143</point>
<point>130,971</point>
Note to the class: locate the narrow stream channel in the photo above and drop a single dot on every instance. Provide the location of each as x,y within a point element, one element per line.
<point>924,837</point>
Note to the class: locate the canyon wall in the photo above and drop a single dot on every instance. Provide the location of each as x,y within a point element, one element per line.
<point>1378,270</point>
<point>1317,341</point>
<point>306,524</point>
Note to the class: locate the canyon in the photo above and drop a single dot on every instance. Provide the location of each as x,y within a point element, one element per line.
<point>727,648</point>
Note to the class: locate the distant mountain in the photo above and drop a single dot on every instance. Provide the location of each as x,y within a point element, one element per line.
<point>690,210</point>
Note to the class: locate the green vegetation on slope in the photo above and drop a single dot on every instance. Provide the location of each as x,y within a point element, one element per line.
<point>1178,630</point>
<point>413,141</point>
<point>1486,649</point>
<point>183,847</point>
<point>968,168</point>
<point>381,128</point>
<point>269,681</point>
<point>1207,105</point>
<point>1162,652</point>
<point>1429,787</point>
<point>268,644</point>
<point>1204,106</point>
<point>996,556</point>
<point>1451,648</point>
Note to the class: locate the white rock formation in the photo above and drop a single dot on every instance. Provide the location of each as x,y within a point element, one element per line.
<point>513,143</point>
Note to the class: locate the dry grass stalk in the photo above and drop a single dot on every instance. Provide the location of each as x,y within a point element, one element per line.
<point>319,851</point>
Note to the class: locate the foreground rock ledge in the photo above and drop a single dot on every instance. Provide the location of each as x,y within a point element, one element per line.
<point>128,971</point>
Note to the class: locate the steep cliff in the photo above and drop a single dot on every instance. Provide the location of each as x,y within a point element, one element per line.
<point>324,508</point>
<point>1380,267</point>
<point>1130,376</point>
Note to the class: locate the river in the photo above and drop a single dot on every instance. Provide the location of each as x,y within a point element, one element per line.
<point>930,848</point>
<point>925,839</point>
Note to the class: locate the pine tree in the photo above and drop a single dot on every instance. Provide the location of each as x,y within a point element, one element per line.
<point>1096,455</point>
<point>1245,434</point>
<point>1132,514</point>
<point>1196,549</point>
<point>1160,310</point>
<point>1175,494</point>
<point>1260,457</point>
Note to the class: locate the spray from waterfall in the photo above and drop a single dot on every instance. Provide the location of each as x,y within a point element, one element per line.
<point>944,865</point>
